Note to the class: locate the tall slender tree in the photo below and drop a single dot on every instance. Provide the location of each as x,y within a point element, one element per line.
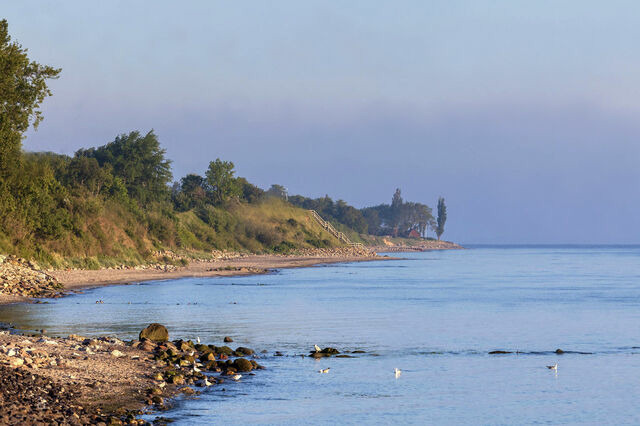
<point>442,217</point>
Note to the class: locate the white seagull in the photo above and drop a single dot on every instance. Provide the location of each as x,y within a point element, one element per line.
<point>236,377</point>
<point>397,371</point>
<point>324,371</point>
<point>317,348</point>
<point>197,340</point>
<point>553,367</point>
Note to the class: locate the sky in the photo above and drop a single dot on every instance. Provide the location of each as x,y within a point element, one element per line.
<point>523,115</point>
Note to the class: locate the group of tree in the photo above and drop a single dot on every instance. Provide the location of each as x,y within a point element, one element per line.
<point>218,186</point>
<point>400,218</point>
<point>45,196</point>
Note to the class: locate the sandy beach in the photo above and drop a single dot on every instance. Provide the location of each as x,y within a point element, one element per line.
<point>52,282</point>
<point>253,264</point>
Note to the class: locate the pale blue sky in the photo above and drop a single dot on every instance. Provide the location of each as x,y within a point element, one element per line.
<point>522,114</point>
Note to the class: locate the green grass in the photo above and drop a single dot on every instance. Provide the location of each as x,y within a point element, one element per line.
<point>109,234</point>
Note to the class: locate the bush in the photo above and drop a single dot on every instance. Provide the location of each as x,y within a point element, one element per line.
<point>284,247</point>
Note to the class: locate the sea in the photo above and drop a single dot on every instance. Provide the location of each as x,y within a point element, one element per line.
<point>436,316</point>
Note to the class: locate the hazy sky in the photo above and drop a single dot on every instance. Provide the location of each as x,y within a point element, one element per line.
<point>523,115</point>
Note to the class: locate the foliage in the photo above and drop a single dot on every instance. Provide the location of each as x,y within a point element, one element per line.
<point>222,184</point>
<point>139,162</point>
<point>442,217</point>
<point>399,218</point>
<point>250,192</point>
<point>189,193</point>
<point>23,87</point>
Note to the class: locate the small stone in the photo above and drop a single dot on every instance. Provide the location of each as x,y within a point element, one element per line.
<point>228,339</point>
<point>15,362</point>
<point>187,390</point>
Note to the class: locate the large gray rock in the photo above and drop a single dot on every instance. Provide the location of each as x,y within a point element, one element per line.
<point>155,332</point>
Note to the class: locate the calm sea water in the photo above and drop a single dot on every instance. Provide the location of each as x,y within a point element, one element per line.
<point>435,315</point>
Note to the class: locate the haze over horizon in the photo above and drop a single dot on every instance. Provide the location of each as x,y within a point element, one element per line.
<point>523,116</point>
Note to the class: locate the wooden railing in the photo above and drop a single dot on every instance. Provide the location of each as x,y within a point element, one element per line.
<point>333,231</point>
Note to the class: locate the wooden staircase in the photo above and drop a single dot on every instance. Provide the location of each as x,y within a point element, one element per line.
<point>333,231</point>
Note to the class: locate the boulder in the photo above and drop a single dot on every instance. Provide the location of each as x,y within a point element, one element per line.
<point>224,350</point>
<point>242,364</point>
<point>155,332</point>
<point>228,339</point>
<point>245,351</point>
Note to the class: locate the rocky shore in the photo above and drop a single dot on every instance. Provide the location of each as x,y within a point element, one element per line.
<point>24,278</point>
<point>78,380</point>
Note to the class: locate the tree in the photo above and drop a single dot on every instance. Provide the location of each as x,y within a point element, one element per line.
<point>23,87</point>
<point>442,217</point>
<point>139,162</point>
<point>250,192</point>
<point>222,184</point>
<point>278,191</point>
<point>191,192</point>
<point>85,172</point>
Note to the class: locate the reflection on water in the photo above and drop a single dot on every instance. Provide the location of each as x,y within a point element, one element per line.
<point>434,315</point>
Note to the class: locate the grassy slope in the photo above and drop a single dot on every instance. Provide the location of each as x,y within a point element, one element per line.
<point>110,234</point>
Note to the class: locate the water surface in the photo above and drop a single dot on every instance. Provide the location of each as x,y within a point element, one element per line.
<point>435,315</point>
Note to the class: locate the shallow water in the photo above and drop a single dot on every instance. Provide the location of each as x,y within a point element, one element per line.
<point>435,315</point>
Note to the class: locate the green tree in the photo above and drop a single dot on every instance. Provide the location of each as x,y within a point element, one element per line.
<point>250,192</point>
<point>23,87</point>
<point>222,184</point>
<point>191,192</point>
<point>442,217</point>
<point>86,173</point>
<point>139,162</point>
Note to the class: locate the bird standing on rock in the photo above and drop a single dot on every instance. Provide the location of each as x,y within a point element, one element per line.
<point>317,348</point>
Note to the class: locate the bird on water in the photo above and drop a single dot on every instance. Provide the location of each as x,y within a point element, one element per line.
<point>324,371</point>
<point>553,367</point>
<point>397,371</point>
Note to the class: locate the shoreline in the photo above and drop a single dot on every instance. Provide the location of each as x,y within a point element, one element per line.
<point>135,375</point>
<point>130,377</point>
<point>74,280</point>
<point>247,265</point>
